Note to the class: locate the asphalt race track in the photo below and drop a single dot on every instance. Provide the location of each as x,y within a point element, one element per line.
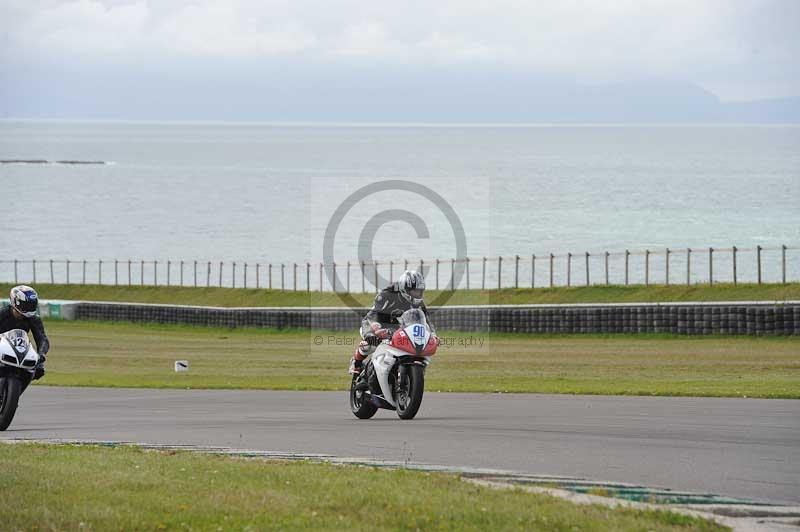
<point>736,447</point>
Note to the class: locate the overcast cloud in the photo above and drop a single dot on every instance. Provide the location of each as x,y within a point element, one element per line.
<point>736,49</point>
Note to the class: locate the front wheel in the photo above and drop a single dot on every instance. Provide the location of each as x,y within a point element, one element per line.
<point>10,390</point>
<point>359,403</point>
<point>409,391</point>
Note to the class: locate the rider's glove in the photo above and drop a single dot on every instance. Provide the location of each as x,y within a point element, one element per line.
<point>372,339</point>
<point>383,334</point>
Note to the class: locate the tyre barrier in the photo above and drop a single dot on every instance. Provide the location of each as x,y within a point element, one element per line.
<point>725,318</point>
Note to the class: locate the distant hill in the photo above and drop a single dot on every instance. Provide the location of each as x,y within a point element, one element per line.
<point>777,110</point>
<point>286,92</point>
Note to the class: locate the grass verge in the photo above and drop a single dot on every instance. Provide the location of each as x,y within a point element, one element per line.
<point>139,355</point>
<point>124,488</point>
<point>239,297</point>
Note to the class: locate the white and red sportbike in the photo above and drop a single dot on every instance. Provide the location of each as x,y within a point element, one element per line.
<point>18,361</point>
<point>393,377</point>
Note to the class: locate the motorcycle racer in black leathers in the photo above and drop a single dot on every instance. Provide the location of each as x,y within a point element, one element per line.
<point>389,305</point>
<point>21,314</point>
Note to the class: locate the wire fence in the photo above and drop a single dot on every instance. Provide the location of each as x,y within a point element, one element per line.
<point>669,266</point>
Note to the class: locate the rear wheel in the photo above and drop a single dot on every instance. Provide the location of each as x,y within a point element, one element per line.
<point>10,390</point>
<point>409,391</point>
<point>359,403</point>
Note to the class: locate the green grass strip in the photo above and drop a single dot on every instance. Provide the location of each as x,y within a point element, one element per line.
<point>142,355</point>
<point>239,297</point>
<point>124,488</point>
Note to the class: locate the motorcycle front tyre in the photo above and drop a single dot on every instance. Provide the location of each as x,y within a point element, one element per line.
<point>10,390</point>
<point>409,407</point>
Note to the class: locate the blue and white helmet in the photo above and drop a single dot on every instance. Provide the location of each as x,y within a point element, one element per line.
<point>412,286</point>
<point>24,300</point>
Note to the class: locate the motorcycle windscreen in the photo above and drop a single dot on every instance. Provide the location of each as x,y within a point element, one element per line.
<point>413,316</point>
<point>18,339</point>
<point>416,328</point>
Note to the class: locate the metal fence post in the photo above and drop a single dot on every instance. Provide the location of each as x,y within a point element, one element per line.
<point>587,268</point>
<point>783,263</point>
<point>437,274</point>
<point>688,266</point>
<point>320,277</point>
<point>422,267</point>
<point>499,271</point>
<point>467,266</point>
<point>606,267</point>
<point>208,274</point>
<point>627,260</point>
<point>333,265</point>
<point>391,271</point>
<point>666,267</point>
<point>155,273</point>
<point>33,263</point>
<point>169,273</point>
<point>68,272</point>
<point>245,275</point>
<point>758,258</point>
<point>116,271</point>
<point>141,272</point>
<point>647,267</point>
<point>294,276</point>
<point>551,270</point>
<point>220,274</point>
<point>269,275</point>
<point>15,272</point>
<point>258,275</point>
<point>100,271</point>
<point>195,273</point>
<point>516,272</point>
<point>283,268</point>
<point>533,270</point>
<point>452,274</point>
<point>83,277</point>
<point>308,276</point>
<point>233,275</point>
<point>52,277</point>
<point>734,250</point>
<point>363,278</point>
<point>483,275</point>
<point>181,276</point>
<point>347,277</point>
<point>710,265</point>
<point>405,264</point>
<point>569,268</point>
<point>375,274</point>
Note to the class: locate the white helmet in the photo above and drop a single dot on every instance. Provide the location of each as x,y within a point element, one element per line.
<point>412,286</point>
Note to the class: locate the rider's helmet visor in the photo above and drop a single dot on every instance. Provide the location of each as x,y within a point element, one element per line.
<point>416,292</point>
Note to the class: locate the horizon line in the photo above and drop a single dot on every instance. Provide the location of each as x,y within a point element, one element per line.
<point>334,124</point>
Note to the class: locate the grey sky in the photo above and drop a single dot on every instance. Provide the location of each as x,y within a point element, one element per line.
<point>735,49</point>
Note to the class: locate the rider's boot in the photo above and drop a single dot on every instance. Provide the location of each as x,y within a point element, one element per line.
<point>355,366</point>
<point>357,362</point>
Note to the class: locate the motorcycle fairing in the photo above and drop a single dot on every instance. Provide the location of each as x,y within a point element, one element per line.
<point>16,351</point>
<point>383,360</point>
